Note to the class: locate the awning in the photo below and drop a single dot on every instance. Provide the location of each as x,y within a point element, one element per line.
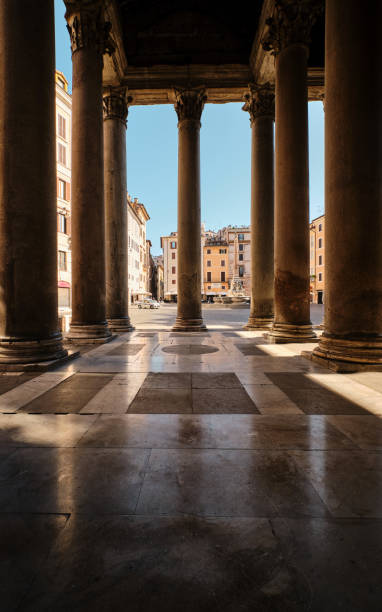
<point>64,284</point>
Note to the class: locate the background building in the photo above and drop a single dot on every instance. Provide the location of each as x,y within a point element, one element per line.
<point>317,260</point>
<point>137,250</point>
<point>63,153</point>
<point>169,245</point>
<point>239,254</point>
<point>215,266</point>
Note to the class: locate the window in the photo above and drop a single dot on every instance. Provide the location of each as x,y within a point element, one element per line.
<point>223,286</point>
<point>173,245</point>
<point>241,271</point>
<point>209,287</point>
<point>222,263</point>
<point>62,224</point>
<point>208,263</point>
<point>64,297</point>
<point>320,260</point>
<point>240,237</point>
<point>241,247</point>
<point>61,189</point>
<point>61,126</point>
<point>61,154</point>
<point>222,251</point>
<point>173,281</point>
<point>320,243</point>
<point>208,251</point>
<point>61,83</point>
<point>241,256</point>
<point>173,270</point>
<point>173,255</point>
<point>62,261</point>
<point>320,276</point>
<point>320,227</point>
<point>222,277</point>
<point>208,277</point>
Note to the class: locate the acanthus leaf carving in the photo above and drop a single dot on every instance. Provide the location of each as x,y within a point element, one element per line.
<point>87,26</point>
<point>260,101</point>
<point>116,105</point>
<point>189,103</point>
<point>291,23</point>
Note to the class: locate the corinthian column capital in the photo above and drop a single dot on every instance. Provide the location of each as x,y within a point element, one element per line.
<point>116,104</point>
<point>260,101</point>
<point>189,103</point>
<point>87,26</point>
<point>291,23</point>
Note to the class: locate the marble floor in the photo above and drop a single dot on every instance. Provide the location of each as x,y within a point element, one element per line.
<point>189,474</point>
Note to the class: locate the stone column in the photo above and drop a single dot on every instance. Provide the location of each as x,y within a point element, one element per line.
<point>260,105</point>
<point>29,329</point>
<point>115,111</point>
<point>288,38</point>
<point>352,338</point>
<point>189,105</point>
<point>89,40</point>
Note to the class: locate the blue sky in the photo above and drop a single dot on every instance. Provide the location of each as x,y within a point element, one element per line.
<point>225,157</point>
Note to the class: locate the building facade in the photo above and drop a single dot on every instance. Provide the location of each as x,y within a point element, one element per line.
<point>137,217</point>
<point>169,245</point>
<point>63,156</point>
<point>215,266</point>
<point>158,290</point>
<point>317,260</point>
<point>239,254</point>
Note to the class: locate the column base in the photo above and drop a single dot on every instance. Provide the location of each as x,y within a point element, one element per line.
<point>189,325</point>
<point>120,325</point>
<point>255,323</point>
<point>352,355</point>
<point>25,351</point>
<point>282,333</point>
<point>98,333</point>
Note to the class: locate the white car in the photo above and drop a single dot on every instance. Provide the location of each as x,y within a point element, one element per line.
<point>148,304</point>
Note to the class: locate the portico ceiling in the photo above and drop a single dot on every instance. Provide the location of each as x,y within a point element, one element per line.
<point>216,44</point>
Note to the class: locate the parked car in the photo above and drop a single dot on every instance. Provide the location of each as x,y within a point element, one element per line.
<point>148,304</point>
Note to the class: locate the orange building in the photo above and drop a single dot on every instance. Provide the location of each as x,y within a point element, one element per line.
<point>215,267</point>
<point>317,260</point>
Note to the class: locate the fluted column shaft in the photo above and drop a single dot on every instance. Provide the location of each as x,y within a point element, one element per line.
<point>189,108</point>
<point>114,126</point>
<point>352,337</point>
<point>29,329</point>
<point>260,105</point>
<point>288,38</point>
<point>88,33</point>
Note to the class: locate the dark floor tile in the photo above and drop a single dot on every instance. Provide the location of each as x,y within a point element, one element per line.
<point>340,561</point>
<point>364,430</point>
<point>161,401</point>
<point>348,482</point>
<point>215,381</point>
<point>125,349</point>
<point>189,349</point>
<point>311,397</point>
<point>250,349</point>
<point>188,335</point>
<point>161,564</point>
<point>11,381</point>
<point>226,483</point>
<point>25,541</point>
<point>72,480</point>
<point>222,401</point>
<point>69,396</point>
<point>160,380</point>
